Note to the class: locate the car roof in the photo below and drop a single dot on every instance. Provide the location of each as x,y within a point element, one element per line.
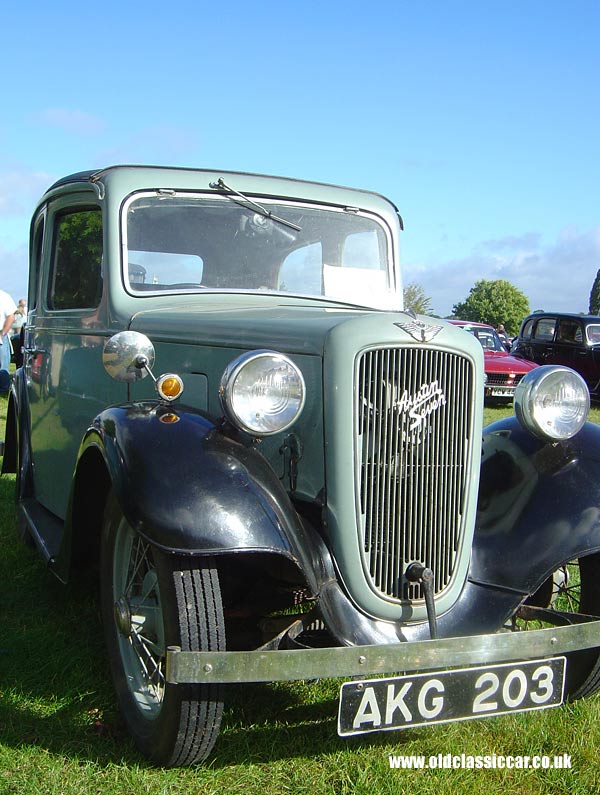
<point>187,176</point>
<point>569,315</point>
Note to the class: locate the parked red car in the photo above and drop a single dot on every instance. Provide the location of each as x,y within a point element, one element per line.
<point>503,371</point>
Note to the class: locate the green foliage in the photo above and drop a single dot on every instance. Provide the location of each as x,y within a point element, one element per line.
<point>595,296</point>
<point>494,302</point>
<point>415,299</point>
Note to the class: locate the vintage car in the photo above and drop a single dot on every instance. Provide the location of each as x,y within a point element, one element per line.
<point>279,474</point>
<point>503,371</point>
<point>569,339</point>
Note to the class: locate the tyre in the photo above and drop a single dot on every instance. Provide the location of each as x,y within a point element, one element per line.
<point>17,464</point>
<point>149,601</point>
<point>573,588</point>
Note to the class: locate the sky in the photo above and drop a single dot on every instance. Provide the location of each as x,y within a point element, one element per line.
<point>479,119</point>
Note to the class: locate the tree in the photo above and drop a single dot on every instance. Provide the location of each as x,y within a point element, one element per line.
<point>415,299</point>
<point>595,296</point>
<point>494,302</point>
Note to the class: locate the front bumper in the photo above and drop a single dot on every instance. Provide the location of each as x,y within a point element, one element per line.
<point>405,657</point>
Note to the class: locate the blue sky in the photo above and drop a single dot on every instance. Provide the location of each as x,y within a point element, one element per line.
<point>480,120</point>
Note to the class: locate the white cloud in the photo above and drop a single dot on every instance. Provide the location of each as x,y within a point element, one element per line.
<point>554,276</point>
<point>72,121</point>
<point>513,242</point>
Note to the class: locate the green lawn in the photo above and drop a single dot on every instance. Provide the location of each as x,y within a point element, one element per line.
<point>60,734</point>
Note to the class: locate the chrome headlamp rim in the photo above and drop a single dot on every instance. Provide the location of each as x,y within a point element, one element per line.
<point>229,377</point>
<point>527,402</point>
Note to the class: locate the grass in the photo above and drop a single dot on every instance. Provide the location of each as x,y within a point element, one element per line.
<point>60,733</point>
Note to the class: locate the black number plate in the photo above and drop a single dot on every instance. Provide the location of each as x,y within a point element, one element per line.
<point>444,696</point>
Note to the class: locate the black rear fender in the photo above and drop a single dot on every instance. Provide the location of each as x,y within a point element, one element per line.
<point>17,450</point>
<point>11,438</point>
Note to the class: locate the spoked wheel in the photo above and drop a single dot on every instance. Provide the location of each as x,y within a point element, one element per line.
<point>150,601</point>
<point>573,589</point>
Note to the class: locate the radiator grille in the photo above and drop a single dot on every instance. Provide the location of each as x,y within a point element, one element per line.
<point>503,379</point>
<point>413,424</point>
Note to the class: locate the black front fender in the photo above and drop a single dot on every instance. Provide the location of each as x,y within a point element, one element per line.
<point>190,489</point>
<point>539,505</point>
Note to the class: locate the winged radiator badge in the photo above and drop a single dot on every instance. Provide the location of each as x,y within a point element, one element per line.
<point>422,332</point>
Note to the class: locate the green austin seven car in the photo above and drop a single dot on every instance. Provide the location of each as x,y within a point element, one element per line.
<point>280,474</point>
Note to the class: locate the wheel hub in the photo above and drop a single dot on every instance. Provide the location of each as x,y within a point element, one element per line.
<point>123,617</point>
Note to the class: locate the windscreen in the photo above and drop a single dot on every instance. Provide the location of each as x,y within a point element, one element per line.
<point>187,242</point>
<point>489,339</point>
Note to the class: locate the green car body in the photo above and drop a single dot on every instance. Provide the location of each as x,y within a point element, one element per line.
<point>374,464</point>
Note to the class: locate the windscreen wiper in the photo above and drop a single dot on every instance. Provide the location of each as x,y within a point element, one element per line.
<point>222,185</point>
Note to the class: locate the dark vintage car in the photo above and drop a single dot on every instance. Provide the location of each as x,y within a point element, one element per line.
<point>503,371</point>
<point>277,473</point>
<point>569,339</point>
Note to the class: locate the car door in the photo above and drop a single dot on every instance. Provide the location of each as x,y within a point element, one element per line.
<point>569,348</point>
<point>541,344</point>
<point>66,384</point>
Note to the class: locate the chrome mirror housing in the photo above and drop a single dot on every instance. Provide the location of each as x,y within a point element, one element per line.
<point>128,356</point>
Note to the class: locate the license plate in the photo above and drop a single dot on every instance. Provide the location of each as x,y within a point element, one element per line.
<point>499,392</point>
<point>453,695</point>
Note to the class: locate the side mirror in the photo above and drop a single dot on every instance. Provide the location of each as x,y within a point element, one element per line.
<point>128,356</point>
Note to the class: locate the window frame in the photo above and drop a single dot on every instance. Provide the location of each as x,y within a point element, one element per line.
<point>60,211</point>
<point>527,332</point>
<point>569,322</point>
<point>545,320</point>
<point>36,258</point>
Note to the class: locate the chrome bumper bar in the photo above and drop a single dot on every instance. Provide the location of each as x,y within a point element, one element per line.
<point>344,661</point>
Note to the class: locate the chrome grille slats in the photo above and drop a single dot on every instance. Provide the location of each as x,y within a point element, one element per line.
<point>502,379</point>
<point>413,421</point>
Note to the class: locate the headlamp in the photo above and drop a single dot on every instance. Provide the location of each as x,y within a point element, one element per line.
<point>552,402</point>
<point>262,392</point>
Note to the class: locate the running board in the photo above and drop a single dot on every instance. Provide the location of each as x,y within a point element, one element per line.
<point>45,528</point>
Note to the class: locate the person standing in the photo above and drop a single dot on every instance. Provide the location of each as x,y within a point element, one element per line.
<point>7,316</point>
<point>503,336</point>
<point>16,340</point>
<point>20,316</point>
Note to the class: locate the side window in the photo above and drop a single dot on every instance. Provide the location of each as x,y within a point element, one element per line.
<point>526,333</point>
<point>569,331</point>
<point>76,278</point>
<point>545,329</point>
<point>593,334</point>
<point>35,258</point>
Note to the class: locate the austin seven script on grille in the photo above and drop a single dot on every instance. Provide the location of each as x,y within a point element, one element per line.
<point>419,405</point>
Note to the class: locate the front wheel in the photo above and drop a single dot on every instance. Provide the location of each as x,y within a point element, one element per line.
<point>573,589</point>
<point>149,601</point>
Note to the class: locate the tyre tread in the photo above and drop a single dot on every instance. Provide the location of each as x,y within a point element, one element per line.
<point>201,627</point>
